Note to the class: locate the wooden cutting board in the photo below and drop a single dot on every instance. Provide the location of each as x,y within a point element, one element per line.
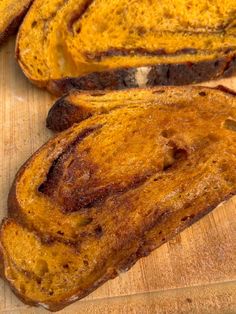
<point>193,273</point>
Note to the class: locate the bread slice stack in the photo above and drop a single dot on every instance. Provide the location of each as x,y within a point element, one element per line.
<point>12,13</point>
<point>141,166</point>
<point>117,44</point>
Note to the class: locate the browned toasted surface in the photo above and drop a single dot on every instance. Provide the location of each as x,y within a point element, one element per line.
<point>155,75</point>
<point>109,190</point>
<point>12,13</point>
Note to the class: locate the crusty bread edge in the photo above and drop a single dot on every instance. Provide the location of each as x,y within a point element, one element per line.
<point>12,28</point>
<point>148,76</point>
<point>143,76</point>
<point>54,307</point>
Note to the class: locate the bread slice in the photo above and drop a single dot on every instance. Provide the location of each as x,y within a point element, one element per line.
<point>77,106</point>
<point>114,187</point>
<point>91,44</point>
<point>12,13</point>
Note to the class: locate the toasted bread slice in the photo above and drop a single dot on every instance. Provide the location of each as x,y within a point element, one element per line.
<point>77,106</point>
<point>117,44</point>
<point>12,13</point>
<point>109,190</point>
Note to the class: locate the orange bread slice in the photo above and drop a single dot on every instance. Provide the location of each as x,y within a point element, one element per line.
<point>114,187</point>
<point>116,44</point>
<point>12,13</point>
<point>77,106</point>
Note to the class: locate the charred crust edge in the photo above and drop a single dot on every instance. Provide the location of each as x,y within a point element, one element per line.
<point>62,115</point>
<point>159,75</point>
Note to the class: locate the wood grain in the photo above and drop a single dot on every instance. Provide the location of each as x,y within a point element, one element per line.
<point>193,273</point>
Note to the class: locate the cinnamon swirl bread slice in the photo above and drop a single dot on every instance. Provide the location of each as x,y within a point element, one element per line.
<point>114,187</point>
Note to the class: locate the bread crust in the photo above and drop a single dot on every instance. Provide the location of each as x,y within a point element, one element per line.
<point>13,26</point>
<point>157,75</point>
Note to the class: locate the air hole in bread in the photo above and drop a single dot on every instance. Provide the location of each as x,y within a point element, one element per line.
<point>173,154</point>
<point>86,263</point>
<point>41,267</point>
<point>202,94</point>
<point>34,23</point>
<point>180,153</point>
<point>39,71</point>
<point>98,231</point>
<point>39,281</point>
<point>78,30</point>
<point>167,133</point>
<point>230,124</point>
<point>141,30</point>
<point>66,266</point>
